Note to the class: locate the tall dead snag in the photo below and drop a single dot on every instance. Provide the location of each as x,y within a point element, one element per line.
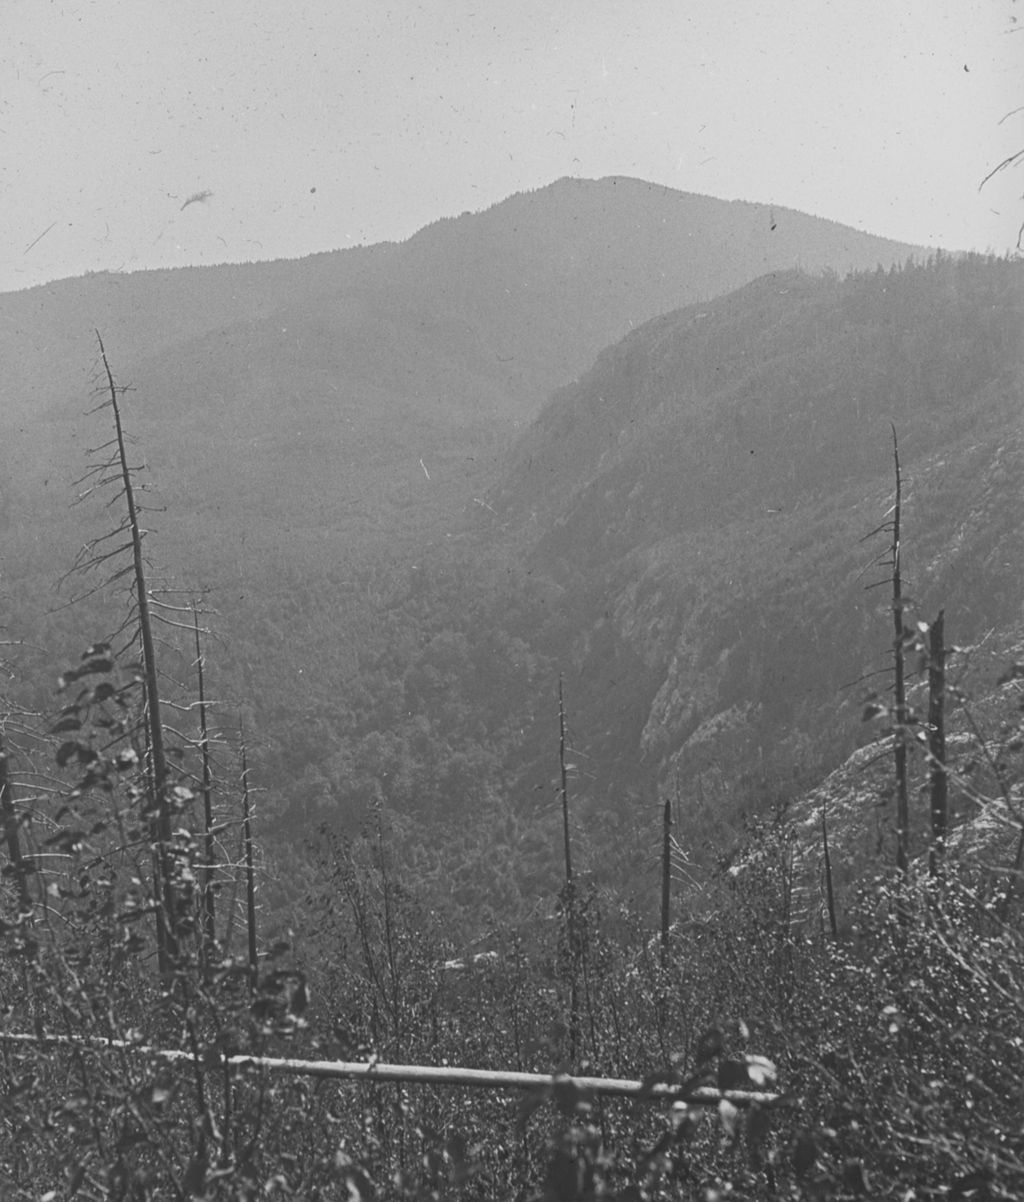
<point>250,876</point>
<point>209,931</point>
<point>938,782</point>
<point>897,713</point>
<point>666,880</point>
<point>569,890</point>
<point>564,785</point>
<point>160,806</point>
<point>899,677</point>
<point>9,817</point>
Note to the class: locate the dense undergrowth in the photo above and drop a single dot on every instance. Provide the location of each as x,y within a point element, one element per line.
<point>897,1045</point>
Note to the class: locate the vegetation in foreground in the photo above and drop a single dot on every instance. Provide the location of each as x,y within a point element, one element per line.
<point>897,1044</point>
<point>888,1013</point>
<point>892,1035</point>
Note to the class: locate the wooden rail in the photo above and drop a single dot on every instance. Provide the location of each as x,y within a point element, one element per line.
<point>421,1074</point>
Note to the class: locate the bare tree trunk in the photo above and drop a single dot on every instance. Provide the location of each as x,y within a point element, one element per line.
<point>564,785</point>
<point>160,912</point>
<point>160,804</point>
<point>250,876</point>
<point>937,777</point>
<point>572,933</point>
<point>376,1072</point>
<point>9,817</point>
<point>666,880</point>
<point>209,930</point>
<point>899,680</point>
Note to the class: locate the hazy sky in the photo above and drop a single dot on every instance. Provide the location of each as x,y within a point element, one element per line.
<point>308,125</point>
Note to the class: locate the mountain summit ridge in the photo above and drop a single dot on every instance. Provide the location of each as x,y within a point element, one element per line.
<point>367,361</point>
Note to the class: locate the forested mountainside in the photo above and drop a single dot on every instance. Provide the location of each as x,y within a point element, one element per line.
<point>701,495</point>
<point>320,434</point>
<point>356,401</point>
<point>682,536</point>
<point>679,535</point>
<point>665,592</point>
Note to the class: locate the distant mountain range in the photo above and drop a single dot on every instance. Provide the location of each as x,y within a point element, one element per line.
<point>387,380</point>
<point>605,429</point>
<point>545,280</point>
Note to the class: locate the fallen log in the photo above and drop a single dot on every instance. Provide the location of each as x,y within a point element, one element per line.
<point>371,1071</point>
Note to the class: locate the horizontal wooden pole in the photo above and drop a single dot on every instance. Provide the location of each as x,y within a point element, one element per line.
<point>416,1074</point>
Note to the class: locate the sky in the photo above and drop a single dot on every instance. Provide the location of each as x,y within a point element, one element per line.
<point>138,134</point>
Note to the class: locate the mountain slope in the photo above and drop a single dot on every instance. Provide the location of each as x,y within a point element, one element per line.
<point>561,273</point>
<point>678,533</point>
<point>701,495</point>
<point>548,277</point>
<point>353,404</point>
<point>984,721</point>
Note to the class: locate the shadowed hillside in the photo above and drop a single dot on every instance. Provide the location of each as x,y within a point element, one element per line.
<point>700,497</point>
<point>351,407</point>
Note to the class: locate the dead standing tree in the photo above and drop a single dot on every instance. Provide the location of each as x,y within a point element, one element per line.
<point>899,748</point>
<point>209,847</point>
<point>571,907</point>
<point>252,961</point>
<point>938,781</point>
<point>666,880</point>
<point>893,526</point>
<point>104,553</point>
<point>11,827</point>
